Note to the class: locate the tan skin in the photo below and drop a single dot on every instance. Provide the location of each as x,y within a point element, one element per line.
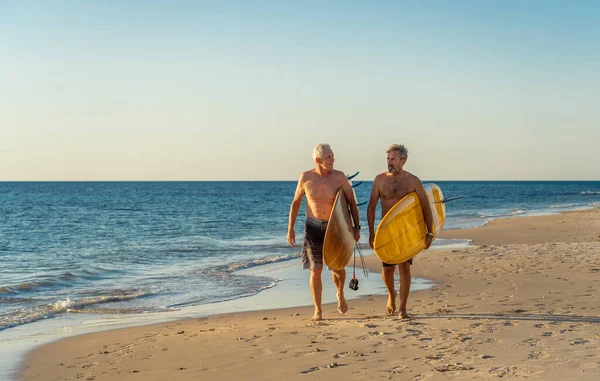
<point>390,187</point>
<point>320,186</point>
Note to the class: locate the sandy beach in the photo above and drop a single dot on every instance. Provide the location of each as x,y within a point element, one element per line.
<point>521,303</point>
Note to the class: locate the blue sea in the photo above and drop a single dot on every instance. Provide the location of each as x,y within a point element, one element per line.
<point>87,249</point>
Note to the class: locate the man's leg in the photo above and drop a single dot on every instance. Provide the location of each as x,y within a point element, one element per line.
<point>387,274</point>
<point>404,288</point>
<point>339,278</point>
<point>316,287</point>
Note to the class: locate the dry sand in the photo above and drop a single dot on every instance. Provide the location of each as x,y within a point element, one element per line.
<point>524,304</point>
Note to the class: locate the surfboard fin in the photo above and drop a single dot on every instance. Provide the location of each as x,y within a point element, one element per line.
<point>449,199</point>
<point>356,184</point>
<point>353,176</point>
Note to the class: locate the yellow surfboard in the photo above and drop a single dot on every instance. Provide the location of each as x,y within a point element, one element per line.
<point>401,233</point>
<point>338,244</point>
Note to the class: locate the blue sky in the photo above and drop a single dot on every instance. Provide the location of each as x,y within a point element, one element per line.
<point>477,90</point>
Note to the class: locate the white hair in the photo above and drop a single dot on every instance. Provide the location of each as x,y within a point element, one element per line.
<point>402,151</point>
<point>320,150</point>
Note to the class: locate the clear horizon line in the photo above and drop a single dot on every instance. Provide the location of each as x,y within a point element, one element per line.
<point>246,181</point>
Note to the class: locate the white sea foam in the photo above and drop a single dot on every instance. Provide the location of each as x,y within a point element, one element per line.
<point>447,244</point>
<point>562,206</point>
<point>500,214</point>
<point>32,314</point>
<point>261,261</point>
<point>62,305</point>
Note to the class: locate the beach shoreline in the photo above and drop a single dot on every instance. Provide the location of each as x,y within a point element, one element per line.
<point>488,298</point>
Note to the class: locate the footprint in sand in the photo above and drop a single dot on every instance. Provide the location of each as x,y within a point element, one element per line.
<point>88,356</point>
<point>316,324</point>
<point>90,365</point>
<point>579,341</point>
<point>397,369</point>
<point>350,353</point>
<point>517,311</point>
<point>537,355</point>
<point>368,325</point>
<point>453,367</point>
<point>413,332</point>
<point>503,372</point>
<point>531,342</point>
<point>310,370</point>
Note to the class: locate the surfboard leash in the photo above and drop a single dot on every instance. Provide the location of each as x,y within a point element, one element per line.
<point>354,282</point>
<point>362,261</point>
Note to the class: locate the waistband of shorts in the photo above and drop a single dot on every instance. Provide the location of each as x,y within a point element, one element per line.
<point>315,222</point>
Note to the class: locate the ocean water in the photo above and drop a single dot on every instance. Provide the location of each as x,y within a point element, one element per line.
<point>102,248</point>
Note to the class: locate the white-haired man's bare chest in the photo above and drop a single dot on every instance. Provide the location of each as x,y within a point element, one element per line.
<point>321,191</point>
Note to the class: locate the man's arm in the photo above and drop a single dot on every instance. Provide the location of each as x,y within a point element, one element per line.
<point>294,209</point>
<point>349,193</point>
<point>371,209</point>
<point>426,210</point>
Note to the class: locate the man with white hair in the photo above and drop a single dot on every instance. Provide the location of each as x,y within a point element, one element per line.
<point>320,185</point>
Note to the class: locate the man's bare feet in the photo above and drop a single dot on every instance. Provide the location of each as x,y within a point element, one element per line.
<point>342,304</point>
<point>318,316</point>
<point>404,315</point>
<point>391,304</point>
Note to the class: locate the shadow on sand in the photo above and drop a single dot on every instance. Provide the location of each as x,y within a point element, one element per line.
<point>514,316</point>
